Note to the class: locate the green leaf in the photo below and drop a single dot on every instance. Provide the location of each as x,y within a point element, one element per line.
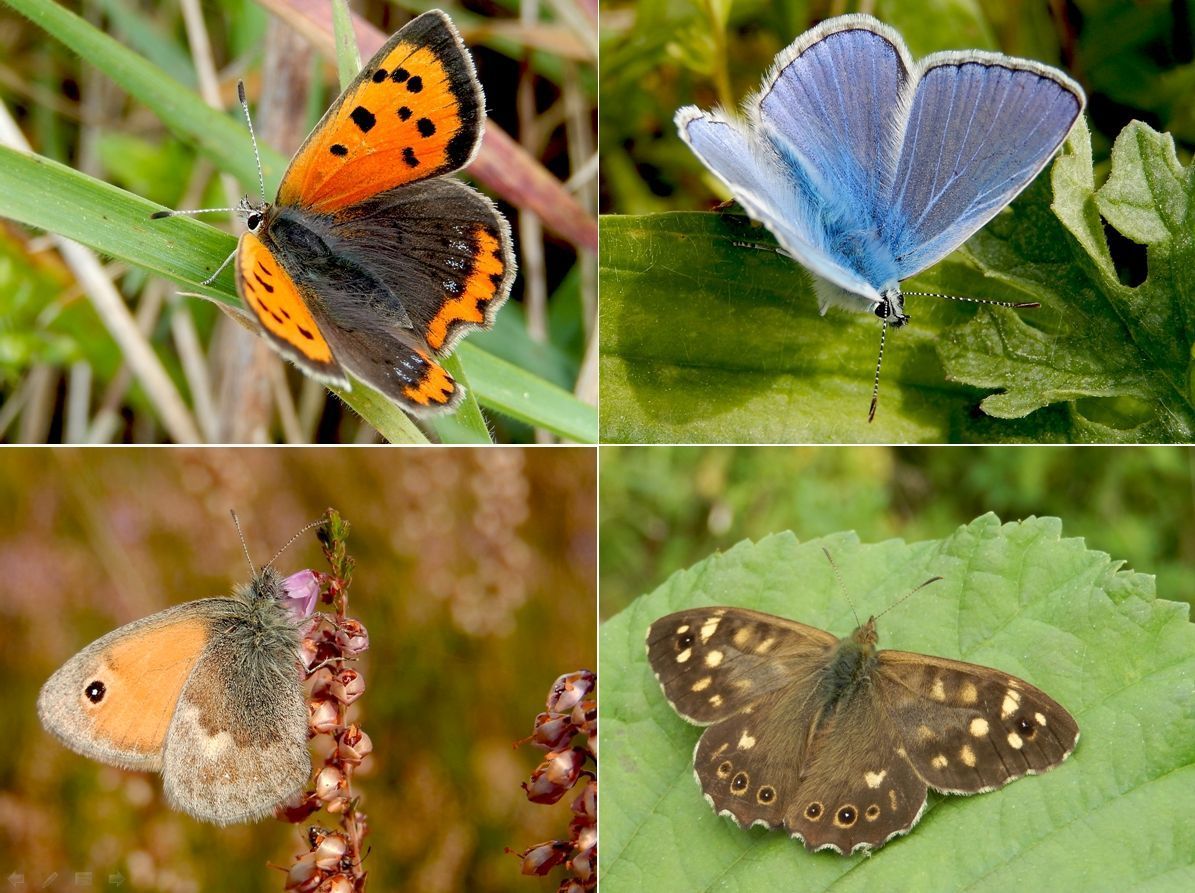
<point>1095,336</point>
<point>1016,596</point>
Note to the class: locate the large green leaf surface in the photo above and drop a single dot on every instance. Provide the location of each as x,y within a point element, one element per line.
<point>1018,597</point>
<point>705,340</point>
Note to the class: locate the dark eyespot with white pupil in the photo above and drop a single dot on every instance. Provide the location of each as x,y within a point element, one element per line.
<point>685,641</point>
<point>739,783</point>
<point>95,691</point>
<point>847,815</point>
<point>766,794</point>
<point>813,811</point>
<point>1025,727</point>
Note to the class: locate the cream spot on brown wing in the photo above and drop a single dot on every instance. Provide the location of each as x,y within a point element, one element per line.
<point>724,769</point>
<point>892,798</point>
<point>703,683</point>
<point>1041,720</point>
<point>713,659</point>
<point>741,637</point>
<point>875,779</point>
<point>901,752</point>
<point>684,655</point>
<point>682,629</point>
<point>749,710</point>
<point>979,727</point>
<point>765,646</point>
<point>709,628</point>
<point>715,700</point>
<point>1014,741</point>
<point>721,750</point>
<point>938,691</point>
<point>742,684</point>
<point>746,742</point>
<point>1012,700</point>
<point>969,694</point>
<point>940,761</point>
<point>925,733</point>
<point>967,755</point>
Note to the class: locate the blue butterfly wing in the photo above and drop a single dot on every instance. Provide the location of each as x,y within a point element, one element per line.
<point>979,128</point>
<point>829,106</point>
<point>769,191</point>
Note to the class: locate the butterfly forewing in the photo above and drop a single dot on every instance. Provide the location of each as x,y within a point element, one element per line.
<point>715,662</point>
<point>967,728</point>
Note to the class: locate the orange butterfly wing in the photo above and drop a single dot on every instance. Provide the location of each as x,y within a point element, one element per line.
<point>272,296</point>
<point>415,111</point>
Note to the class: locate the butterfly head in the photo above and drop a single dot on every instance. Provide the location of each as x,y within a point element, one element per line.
<point>253,212</point>
<point>891,308</point>
<point>865,634</point>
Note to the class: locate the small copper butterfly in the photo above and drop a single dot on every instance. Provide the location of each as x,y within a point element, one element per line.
<point>371,259</point>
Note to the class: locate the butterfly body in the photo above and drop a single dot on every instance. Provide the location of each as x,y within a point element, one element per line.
<point>834,740</point>
<point>207,693</point>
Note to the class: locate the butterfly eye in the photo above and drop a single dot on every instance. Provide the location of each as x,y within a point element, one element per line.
<point>95,691</point>
<point>253,221</point>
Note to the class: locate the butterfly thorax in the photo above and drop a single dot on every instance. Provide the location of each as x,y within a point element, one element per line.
<point>849,668</point>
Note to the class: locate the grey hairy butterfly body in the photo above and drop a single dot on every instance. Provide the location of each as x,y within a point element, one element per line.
<point>836,741</point>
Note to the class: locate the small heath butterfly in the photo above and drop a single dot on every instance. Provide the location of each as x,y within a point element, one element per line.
<point>207,693</point>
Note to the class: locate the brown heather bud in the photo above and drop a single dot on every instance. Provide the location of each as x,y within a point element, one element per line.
<point>353,745</point>
<point>543,857</point>
<point>325,718</point>
<point>354,637</point>
<point>570,689</point>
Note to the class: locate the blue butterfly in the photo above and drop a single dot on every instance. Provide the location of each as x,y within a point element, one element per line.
<point>868,168</point>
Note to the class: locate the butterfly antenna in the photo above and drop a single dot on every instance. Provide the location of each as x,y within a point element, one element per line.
<point>1016,305</point>
<point>244,545</point>
<point>875,387</point>
<point>261,180</point>
<point>908,594</point>
<point>841,585</point>
<point>291,541</point>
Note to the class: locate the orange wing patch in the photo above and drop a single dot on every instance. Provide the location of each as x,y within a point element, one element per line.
<point>275,301</point>
<point>143,676</point>
<point>415,111</point>
<point>484,282</point>
<point>432,388</point>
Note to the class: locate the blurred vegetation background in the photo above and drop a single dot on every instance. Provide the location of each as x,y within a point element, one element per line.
<point>475,578</point>
<point>1136,60</point>
<point>63,375</point>
<point>664,508</point>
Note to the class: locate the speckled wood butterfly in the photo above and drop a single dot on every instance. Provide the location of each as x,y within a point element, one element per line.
<point>836,741</point>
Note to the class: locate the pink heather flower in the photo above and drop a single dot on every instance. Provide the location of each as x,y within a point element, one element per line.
<point>300,593</point>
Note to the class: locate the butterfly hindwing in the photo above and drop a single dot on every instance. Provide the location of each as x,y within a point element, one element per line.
<point>448,263</point>
<point>270,293</point>
<point>415,111</point>
<point>967,728</point>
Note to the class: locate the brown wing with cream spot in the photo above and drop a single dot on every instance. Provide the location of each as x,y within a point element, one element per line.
<point>275,301</point>
<point>415,111</point>
<point>968,728</point>
<point>115,699</point>
<point>714,662</point>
